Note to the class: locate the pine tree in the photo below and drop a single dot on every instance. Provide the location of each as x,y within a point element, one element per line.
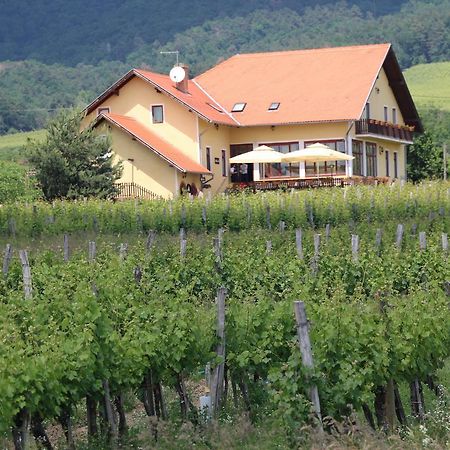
<point>74,164</point>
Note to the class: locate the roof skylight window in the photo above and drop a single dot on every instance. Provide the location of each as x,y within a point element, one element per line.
<point>274,106</point>
<point>239,107</point>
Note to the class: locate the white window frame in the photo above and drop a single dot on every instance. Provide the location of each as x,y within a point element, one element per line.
<point>394,116</point>
<point>163,113</point>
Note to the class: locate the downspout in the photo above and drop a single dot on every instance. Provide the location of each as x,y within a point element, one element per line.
<point>348,149</point>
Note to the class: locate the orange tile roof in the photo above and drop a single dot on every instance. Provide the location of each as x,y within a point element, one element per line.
<point>161,147</point>
<point>329,84</point>
<point>196,99</point>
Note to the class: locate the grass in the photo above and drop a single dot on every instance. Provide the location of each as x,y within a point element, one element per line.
<point>12,145</point>
<point>430,84</point>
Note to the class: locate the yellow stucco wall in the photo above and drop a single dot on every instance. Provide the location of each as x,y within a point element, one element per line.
<point>382,96</point>
<point>391,147</point>
<point>135,100</point>
<point>288,133</point>
<point>217,138</point>
<point>147,169</point>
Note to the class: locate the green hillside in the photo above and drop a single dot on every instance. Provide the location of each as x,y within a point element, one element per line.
<point>82,31</point>
<point>32,91</point>
<point>430,84</point>
<point>11,145</point>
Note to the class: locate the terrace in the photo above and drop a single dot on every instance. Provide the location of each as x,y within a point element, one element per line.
<point>306,183</point>
<point>385,130</point>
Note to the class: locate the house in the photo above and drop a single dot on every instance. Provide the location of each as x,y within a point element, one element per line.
<point>173,134</point>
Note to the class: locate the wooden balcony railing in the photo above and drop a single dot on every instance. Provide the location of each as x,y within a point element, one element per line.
<point>379,128</point>
<point>127,191</point>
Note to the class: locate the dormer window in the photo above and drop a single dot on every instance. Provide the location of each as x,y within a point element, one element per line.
<point>239,107</point>
<point>274,106</point>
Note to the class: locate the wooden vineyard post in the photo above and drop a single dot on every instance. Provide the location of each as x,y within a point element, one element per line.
<point>220,234</point>
<point>7,259</point>
<point>183,244</point>
<point>355,247</point>
<point>422,240</point>
<point>110,414</point>
<point>390,405</point>
<point>298,242</point>
<point>378,239</point>
<point>268,247</point>
<point>307,358</point>
<point>90,402</point>
<point>282,226</point>
<point>66,248</point>
<point>399,236</point>
<point>268,222</point>
<point>444,239</point>
<point>26,272</point>
<point>204,215</point>
<point>217,244</point>
<point>92,251</point>
<point>123,251</point>
<point>327,231</point>
<point>183,215</point>
<point>150,240</point>
<point>218,373</point>
<point>315,259</point>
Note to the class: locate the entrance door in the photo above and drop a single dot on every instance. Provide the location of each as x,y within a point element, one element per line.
<point>241,173</point>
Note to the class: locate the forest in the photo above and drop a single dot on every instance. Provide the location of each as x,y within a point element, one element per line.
<point>65,62</point>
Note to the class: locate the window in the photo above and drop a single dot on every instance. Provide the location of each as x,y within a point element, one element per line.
<point>224,163</point>
<point>394,116</point>
<point>278,170</point>
<point>371,159</point>
<point>274,106</point>
<point>104,110</point>
<point>157,114</point>
<point>367,109</point>
<point>208,158</point>
<point>395,165</point>
<point>387,163</point>
<point>239,107</point>
<point>327,167</point>
<point>385,113</point>
<point>357,150</point>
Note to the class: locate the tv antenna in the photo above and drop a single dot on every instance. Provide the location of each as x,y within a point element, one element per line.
<point>174,52</point>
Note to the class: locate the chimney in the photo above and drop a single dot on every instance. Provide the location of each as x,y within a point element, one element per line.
<point>183,86</point>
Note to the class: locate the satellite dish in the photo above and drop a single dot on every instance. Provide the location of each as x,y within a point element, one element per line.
<point>177,74</point>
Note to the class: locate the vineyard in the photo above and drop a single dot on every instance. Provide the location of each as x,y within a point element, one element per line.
<point>100,302</point>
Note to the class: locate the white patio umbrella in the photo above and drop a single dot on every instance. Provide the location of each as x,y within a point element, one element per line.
<point>261,154</point>
<point>316,152</point>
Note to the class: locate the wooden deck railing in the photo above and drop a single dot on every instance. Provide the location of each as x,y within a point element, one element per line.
<point>132,190</point>
<point>307,183</point>
<point>380,128</point>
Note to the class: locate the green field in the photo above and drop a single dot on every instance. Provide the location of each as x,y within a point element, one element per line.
<point>17,140</point>
<point>12,145</point>
<point>430,84</point>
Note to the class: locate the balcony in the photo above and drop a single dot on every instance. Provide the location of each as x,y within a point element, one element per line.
<point>384,130</point>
